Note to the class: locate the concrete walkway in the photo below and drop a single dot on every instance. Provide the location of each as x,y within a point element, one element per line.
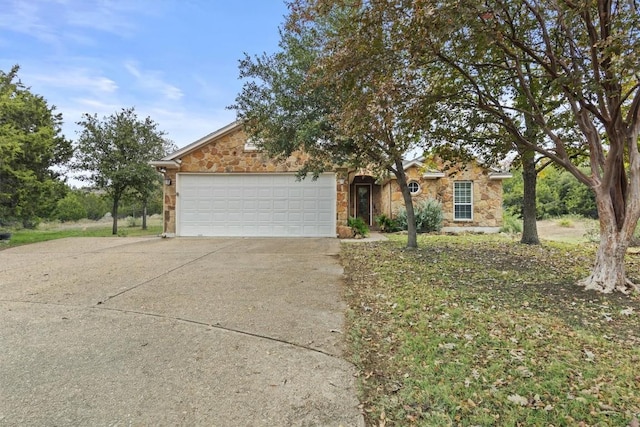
<point>149,331</point>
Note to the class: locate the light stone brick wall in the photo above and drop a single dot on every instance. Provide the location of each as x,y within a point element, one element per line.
<point>227,154</point>
<point>487,194</point>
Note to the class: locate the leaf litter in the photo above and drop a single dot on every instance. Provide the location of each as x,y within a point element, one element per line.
<point>478,330</point>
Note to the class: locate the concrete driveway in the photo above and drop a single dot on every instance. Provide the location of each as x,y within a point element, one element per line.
<point>150,331</point>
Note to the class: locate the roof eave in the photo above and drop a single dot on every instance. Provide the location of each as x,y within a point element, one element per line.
<point>166,164</point>
<point>433,175</point>
<point>500,175</point>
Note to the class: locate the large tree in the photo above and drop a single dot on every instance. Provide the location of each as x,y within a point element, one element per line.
<point>31,145</point>
<point>586,56</point>
<point>336,91</point>
<point>113,154</point>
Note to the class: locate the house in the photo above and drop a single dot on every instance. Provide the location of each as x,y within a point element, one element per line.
<point>221,185</point>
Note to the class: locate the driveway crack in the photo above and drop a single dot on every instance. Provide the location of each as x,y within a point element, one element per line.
<point>110,297</point>
<point>224,328</point>
<point>185,320</point>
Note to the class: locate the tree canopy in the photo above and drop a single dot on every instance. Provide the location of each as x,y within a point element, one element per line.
<point>575,68</point>
<point>561,78</point>
<point>337,91</point>
<point>31,145</point>
<point>114,154</point>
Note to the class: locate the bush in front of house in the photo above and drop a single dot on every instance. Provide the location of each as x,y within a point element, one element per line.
<point>358,226</point>
<point>387,224</point>
<point>428,214</point>
<point>510,223</point>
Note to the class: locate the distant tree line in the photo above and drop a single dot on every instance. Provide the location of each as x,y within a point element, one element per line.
<point>83,203</point>
<point>557,193</point>
<point>111,155</point>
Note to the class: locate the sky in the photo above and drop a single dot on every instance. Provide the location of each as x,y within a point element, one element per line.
<point>175,61</point>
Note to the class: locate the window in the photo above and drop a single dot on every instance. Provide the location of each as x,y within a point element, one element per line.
<point>463,201</point>
<point>414,187</point>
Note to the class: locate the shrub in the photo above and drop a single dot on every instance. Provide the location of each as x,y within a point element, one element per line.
<point>558,193</point>
<point>510,223</point>
<point>428,216</point>
<point>358,226</point>
<point>565,222</point>
<point>95,204</point>
<point>387,224</point>
<point>70,208</point>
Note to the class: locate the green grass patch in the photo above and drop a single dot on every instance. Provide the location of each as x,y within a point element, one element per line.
<point>480,330</point>
<point>565,222</point>
<point>27,236</point>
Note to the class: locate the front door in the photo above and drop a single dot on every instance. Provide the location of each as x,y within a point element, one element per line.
<point>363,202</point>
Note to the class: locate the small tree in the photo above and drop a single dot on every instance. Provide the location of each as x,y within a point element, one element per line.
<point>114,153</point>
<point>70,208</point>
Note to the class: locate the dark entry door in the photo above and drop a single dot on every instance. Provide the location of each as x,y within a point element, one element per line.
<point>363,203</point>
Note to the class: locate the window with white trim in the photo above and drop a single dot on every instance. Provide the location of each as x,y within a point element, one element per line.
<point>463,201</point>
<point>414,187</point>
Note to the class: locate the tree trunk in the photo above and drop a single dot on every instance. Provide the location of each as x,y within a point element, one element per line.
<point>529,178</point>
<point>412,232</point>
<point>144,215</point>
<point>608,273</point>
<point>114,212</point>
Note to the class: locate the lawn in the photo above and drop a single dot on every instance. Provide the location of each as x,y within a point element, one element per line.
<point>86,228</point>
<point>480,330</point>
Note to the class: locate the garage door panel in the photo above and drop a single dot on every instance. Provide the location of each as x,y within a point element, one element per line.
<point>255,205</point>
<point>234,205</point>
<point>265,204</point>
<point>295,192</point>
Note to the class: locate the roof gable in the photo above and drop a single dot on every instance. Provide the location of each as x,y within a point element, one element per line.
<point>203,141</point>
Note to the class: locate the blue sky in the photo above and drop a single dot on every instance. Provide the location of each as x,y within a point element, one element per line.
<point>173,60</point>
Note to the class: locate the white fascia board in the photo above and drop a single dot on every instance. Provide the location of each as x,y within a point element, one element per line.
<point>500,175</point>
<point>433,175</point>
<point>167,164</point>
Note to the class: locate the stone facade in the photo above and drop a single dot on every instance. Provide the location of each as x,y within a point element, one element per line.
<point>225,152</point>
<point>486,192</point>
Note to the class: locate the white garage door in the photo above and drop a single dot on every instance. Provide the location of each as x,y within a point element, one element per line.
<point>256,205</point>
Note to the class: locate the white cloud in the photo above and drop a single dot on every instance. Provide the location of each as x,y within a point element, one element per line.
<point>55,22</point>
<point>152,81</point>
<point>25,17</point>
<point>107,16</point>
<point>185,127</point>
<point>75,79</point>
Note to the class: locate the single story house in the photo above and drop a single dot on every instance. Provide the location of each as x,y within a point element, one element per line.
<point>221,185</point>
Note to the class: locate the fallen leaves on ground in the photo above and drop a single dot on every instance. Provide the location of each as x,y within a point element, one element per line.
<point>479,330</point>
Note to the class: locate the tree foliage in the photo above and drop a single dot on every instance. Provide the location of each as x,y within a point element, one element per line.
<point>336,90</point>
<point>31,144</point>
<point>561,78</point>
<point>569,68</point>
<point>113,154</point>
<point>70,208</point>
<point>559,193</point>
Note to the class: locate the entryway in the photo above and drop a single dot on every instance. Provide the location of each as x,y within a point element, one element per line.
<point>365,199</point>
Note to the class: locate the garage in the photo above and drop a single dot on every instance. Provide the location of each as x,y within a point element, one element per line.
<point>268,205</point>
